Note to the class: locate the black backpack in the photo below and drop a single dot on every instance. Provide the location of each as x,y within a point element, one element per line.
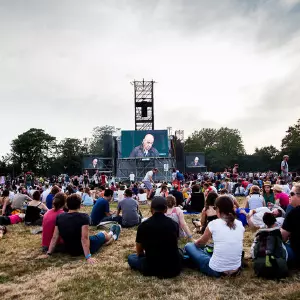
<point>269,255</point>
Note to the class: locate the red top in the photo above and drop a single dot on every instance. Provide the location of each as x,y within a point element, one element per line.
<point>49,222</point>
<point>103,179</point>
<point>14,219</point>
<point>284,199</point>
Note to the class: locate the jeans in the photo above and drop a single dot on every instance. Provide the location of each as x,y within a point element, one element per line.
<point>201,258</point>
<point>113,218</point>
<point>291,253</point>
<point>136,262</point>
<point>96,241</point>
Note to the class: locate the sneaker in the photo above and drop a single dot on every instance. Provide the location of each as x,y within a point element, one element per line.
<point>116,229</point>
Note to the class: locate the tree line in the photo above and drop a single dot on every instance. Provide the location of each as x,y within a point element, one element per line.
<point>39,152</point>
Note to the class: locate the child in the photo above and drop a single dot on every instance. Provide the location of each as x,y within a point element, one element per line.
<point>142,196</point>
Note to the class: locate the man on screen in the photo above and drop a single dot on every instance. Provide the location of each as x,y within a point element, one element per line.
<point>146,149</point>
<point>195,162</point>
<point>94,164</point>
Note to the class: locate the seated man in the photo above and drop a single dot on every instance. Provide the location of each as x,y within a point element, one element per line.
<point>156,244</point>
<point>129,207</point>
<point>101,208</point>
<point>73,227</point>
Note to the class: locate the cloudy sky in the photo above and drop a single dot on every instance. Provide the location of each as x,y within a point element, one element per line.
<point>66,66</point>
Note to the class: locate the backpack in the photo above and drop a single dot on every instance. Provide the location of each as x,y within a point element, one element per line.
<point>269,255</point>
<point>179,176</point>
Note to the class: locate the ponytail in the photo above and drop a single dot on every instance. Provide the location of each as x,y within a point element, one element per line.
<point>229,219</point>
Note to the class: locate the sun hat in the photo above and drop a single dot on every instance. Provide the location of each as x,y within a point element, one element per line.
<point>277,188</point>
<point>267,183</point>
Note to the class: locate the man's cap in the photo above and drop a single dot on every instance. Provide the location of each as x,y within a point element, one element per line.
<point>159,203</point>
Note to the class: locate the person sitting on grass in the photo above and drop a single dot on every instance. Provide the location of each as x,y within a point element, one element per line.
<point>268,193</point>
<point>49,220</point>
<point>255,200</point>
<point>291,228</point>
<point>227,234</point>
<point>195,202</point>
<point>34,210</point>
<point>130,211</point>
<point>225,192</point>
<point>5,203</point>
<point>49,199</point>
<point>176,214</point>
<point>164,191</point>
<point>142,196</point>
<point>101,208</point>
<point>87,199</point>
<point>156,244</point>
<point>73,227</point>
<point>208,213</point>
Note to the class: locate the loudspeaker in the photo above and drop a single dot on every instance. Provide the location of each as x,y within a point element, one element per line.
<point>108,146</point>
<point>144,109</point>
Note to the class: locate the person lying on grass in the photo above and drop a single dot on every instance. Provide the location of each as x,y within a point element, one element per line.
<point>73,227</point>
<point>227,234</point>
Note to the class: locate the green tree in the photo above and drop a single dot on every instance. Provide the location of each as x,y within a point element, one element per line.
<point>222,147</point>
<point>98,135</point>
<point>267,158</point>
<point>69,159</point>
<point>33,150</point>
<point>291,146</point>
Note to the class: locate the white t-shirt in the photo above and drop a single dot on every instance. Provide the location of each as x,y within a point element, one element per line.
<point>148,176</point>
<point>286,189</point>
<point>142,197</point>
<point>45,194</point>
<point>131,177</point>
<point>157,192</point>
<point>257,218</point>
<point>228,245</point>
<point>286,166</point>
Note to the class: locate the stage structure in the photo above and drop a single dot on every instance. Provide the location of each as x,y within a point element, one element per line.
<point>140,166</point>
<point>144,104</point>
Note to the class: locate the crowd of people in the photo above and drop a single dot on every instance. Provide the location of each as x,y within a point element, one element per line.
<point>271,207</point>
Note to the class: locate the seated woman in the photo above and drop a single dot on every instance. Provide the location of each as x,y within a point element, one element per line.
<point>227,234</point>
<point>142,196</point>
<point>87,199</point>
<point>49,220</point>
<point>164,192</point>
<point>208,213</point>
<point>268,193</point>
<point>34,209</point>
<point>281,198</point>
<point>73,228</point>
<point>255,199</point>
<point>176,214</point>
<point>5,203</point>
<point>195,202</point>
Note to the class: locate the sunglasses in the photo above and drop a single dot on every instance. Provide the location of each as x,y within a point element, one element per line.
<point>293,194</point>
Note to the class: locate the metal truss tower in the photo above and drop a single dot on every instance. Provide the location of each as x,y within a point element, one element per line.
<point>144,104</point>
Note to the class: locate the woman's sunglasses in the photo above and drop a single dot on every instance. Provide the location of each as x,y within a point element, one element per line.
<point>293,194</point>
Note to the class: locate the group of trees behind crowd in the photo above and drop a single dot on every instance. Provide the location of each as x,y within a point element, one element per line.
<point>43,154</point>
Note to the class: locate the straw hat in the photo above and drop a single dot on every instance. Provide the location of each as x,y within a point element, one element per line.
<point>277,188</point>
<point>267,183</point>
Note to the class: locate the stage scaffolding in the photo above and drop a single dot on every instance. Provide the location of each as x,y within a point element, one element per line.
<point>140,166</point>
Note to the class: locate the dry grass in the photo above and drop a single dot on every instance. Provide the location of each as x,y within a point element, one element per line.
<point>23,276</point>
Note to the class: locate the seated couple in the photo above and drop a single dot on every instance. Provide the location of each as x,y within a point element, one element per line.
<point>157,243</point>
<point>71,230</point>
<point>128,206</point>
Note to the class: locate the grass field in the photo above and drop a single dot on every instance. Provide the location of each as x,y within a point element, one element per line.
<point>24,276</point>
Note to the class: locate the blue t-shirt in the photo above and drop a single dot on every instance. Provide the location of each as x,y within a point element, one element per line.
<point>49,201</point>
<point>98,212</point>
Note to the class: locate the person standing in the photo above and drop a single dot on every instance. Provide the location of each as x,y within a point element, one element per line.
<point>131,177</point>
<point>285,168</point>
<point>148,180</point>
